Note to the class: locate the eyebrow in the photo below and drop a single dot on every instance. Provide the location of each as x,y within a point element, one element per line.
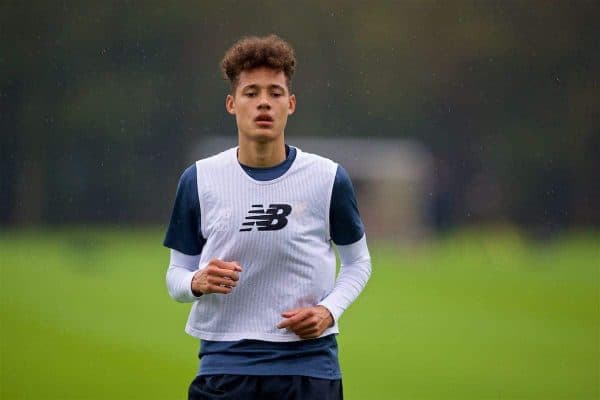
<point>255,86</point>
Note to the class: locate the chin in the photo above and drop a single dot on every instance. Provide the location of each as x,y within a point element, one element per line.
<point>263,135</point>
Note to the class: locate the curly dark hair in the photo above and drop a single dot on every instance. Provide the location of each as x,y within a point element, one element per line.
<point>253,52</point>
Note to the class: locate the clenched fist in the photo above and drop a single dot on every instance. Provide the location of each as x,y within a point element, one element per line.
<point>217,277</point>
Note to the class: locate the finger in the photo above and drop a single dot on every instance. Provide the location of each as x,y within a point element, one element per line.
<point>283,324</point>
<point>290,313</point>
<point>286,323</point>
<point>308,333</point>
<point>219,281</point>
<point>238,267</point>
<point>226,264</point>
<point>219,289</point>
<point>223,273</point>
<point>307,323</point>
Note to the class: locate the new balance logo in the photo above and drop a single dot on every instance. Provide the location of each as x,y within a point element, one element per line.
<point>271,219</point>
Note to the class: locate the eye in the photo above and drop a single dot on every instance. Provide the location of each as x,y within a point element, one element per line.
<point>277,94</point>
<point>251,94</point>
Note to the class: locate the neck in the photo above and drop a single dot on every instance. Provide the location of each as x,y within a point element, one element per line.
<point>261,154</point>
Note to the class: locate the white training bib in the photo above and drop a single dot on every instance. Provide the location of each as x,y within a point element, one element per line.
<point>278,231</point>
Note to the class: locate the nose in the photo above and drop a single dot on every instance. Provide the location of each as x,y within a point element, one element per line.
<point>263,103</point>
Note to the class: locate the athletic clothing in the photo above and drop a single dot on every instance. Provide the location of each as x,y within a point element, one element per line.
<point>270,358</point>
<point>278,230</point>
<point>187,239</point>
<point>248,387</point>
<point>313,357</point>
<point>184,231</point>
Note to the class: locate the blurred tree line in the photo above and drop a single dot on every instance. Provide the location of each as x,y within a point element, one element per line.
<point>100,102</point>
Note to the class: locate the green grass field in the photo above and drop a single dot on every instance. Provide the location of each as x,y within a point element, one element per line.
<point>478,314</point>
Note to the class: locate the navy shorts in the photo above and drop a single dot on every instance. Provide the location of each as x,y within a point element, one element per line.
<point>271,387</point>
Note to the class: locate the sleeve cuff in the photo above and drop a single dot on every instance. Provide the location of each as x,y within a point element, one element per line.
<point>186,295</point>
<point>336,312</point>
<point>188,284</point>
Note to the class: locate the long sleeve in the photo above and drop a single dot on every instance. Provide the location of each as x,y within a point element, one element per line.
<point>179,276</point>
<point>354,273</point>
<point>348,234</point>
<point>184,238</point>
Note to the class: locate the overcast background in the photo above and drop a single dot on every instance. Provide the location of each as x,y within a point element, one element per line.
<point>101,102</point>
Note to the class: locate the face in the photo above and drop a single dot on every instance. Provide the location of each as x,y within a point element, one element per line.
<point>261,104</point>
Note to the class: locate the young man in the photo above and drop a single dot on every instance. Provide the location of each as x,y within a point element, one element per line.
<point>251,246</point>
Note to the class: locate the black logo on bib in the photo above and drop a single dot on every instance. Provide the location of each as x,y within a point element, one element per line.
<point>271,219</point>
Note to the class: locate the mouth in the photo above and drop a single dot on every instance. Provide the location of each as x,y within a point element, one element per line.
<point>264,120</point>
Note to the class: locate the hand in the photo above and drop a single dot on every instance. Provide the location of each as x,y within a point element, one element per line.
<point>217,277</point>
<point>307,322</point>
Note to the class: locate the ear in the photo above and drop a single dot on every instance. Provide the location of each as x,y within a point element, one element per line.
<point>230,104</point>
<point>292,104</point>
